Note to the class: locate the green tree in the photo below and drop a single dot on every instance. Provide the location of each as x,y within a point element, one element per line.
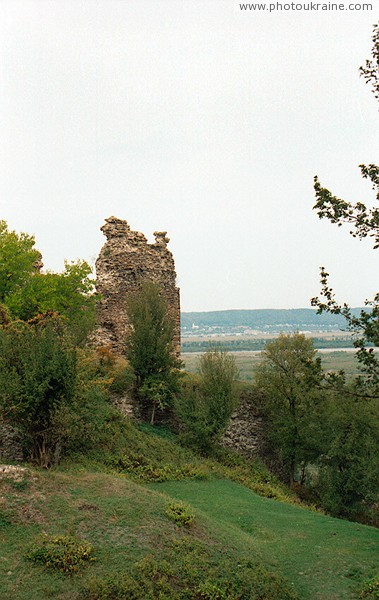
<point>69,293</point>
<point>287,377</point>
<point>150,350</point>
<point>37,377</point>
<point>349,465</point>
<point>206,403</point>
<point>19,260</point>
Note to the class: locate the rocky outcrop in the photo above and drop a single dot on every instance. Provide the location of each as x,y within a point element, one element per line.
<point>125,260</point>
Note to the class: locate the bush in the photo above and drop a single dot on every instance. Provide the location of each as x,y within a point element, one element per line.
<point>182,576</point>
<point>62,553</point>
<point>370,588</point>
<point>180,513</point>
<point>38,376</point>
<point>209,591</point>
<point>143,469</point>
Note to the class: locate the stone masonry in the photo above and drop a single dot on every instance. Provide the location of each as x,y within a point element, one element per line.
<point>125,260</point>
<point>245,432</point>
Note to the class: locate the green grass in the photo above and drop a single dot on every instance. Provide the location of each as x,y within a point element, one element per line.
<point>239,546</point>
<point>247,361</point>
<point>139,551</point>
<point>324,558</point>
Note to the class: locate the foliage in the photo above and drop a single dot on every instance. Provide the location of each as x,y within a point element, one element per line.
<point>62,553</point>
<point>150,349</point>
<point>138,469</point>
<point>122,379</point>
<point>370,71</point>
<point>348,480</point>
<point>180,513</point>
<point>90,422</point>
<point>38,375</point>
<point>69,293</point>
<point>206,403</point>
<point>286,376</point>
<point>19,260</point>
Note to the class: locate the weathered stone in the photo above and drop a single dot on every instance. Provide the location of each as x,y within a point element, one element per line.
<point>245,432</point>
<point>126,260</point>
<point>10,443</point>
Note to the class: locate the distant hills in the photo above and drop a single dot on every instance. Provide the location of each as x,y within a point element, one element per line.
<point>261,319</point>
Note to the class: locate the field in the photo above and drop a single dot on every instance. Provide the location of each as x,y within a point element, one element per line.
<point>334,360</point>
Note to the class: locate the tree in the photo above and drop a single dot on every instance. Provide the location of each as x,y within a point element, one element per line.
<point>349,465</point>
<point>206,403</point>
<point>348,475</point>
<point>287,377</point>
<point>364,222</point>
<point>19,260</point>
<point>150,349</point>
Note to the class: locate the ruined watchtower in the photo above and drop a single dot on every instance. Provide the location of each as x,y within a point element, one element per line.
<point>125,260</point>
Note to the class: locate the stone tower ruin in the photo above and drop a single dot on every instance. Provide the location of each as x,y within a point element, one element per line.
<point>125,260</point>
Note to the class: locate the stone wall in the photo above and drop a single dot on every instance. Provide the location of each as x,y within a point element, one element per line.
<point>245,432</point>
<point>125,260</point>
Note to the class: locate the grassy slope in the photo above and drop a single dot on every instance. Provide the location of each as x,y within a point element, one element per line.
<point>125,522</point>
<point>325,558</point>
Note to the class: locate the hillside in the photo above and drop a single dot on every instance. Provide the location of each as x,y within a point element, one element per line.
<point>265,319</point>
<point>239,546</point>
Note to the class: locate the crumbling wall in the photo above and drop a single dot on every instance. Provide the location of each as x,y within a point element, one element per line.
<point>125,260</point>
<point>245,432</point>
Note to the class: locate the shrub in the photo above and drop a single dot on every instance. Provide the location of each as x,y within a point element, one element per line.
<point>370,588</point>
<point>141,470</point>
<point>180,513</point>
<point>62,553</point>
<point>209,591</point>
<point>115,588</point>
<point>38,376</point>
<point>181,575</point>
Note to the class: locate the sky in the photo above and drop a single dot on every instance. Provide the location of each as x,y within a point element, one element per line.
<point>198,118</point>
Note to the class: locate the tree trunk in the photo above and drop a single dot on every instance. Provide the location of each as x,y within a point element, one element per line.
<point>152,415</point>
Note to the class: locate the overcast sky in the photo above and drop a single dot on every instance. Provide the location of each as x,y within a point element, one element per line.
<point>197,118</point>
